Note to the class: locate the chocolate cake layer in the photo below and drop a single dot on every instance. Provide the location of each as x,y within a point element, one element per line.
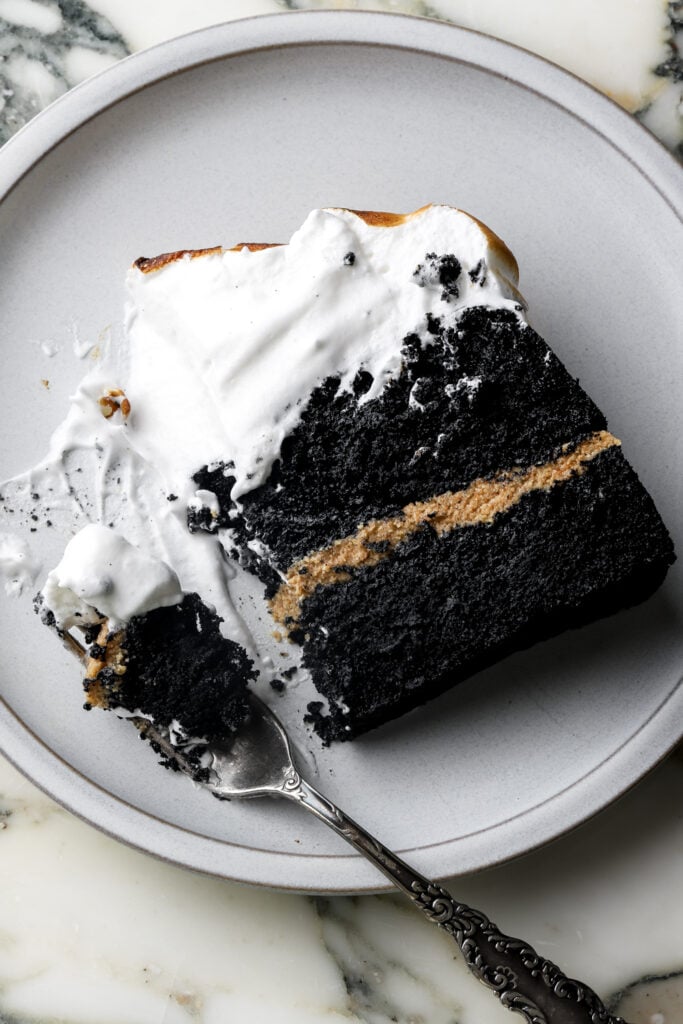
<point>430,488</point>
<point>478,504</point>
<point>442,607</point>
<point>474,398</point>
<point>174,665</point>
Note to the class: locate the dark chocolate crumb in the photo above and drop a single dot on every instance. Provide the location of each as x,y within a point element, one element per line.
<point>433,324</point>
<point>201,519</point>
<point>444,270</point>
<point>178,665</point>
<point>477,275</point>
<point>362,383</point>
<point>378,545</point>
<point>91,633</point>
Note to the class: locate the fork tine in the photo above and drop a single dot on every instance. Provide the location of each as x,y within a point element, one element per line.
<point>255,760</point>
<point>73,645</point>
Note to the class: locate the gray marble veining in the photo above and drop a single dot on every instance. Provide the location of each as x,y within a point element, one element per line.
<point>656,998</point>
<point>46,48</point>
<point>664,114</point>
<point>92,932</point>
<point>591,40</point>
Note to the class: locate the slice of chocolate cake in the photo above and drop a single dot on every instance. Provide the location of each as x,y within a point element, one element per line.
<point>152,651</point>
<point>378,434</point>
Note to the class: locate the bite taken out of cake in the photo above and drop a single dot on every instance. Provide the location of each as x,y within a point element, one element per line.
<point>374,430</point>
<point>151,651</point>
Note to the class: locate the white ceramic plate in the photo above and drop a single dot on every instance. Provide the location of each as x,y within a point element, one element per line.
<point>237,132</point>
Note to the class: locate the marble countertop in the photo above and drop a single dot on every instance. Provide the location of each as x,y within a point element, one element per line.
<point>92,932</point>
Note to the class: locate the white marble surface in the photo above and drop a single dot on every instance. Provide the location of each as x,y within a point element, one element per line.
<point>626,48</point>
<point>620,46</point>
<point>92,932</point>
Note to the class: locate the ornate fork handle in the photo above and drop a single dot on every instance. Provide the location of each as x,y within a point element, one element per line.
<point>523,981</point>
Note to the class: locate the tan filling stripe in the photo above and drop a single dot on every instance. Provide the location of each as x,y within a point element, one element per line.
<point>114,658</point>
<point>479,503</point>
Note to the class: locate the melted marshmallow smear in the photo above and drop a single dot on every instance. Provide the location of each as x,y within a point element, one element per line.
<point>222,352</point>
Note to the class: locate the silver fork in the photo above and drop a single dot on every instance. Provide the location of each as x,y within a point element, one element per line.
<point>258,761</point>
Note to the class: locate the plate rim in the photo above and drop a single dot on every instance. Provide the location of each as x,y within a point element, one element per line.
<point>535,826</point>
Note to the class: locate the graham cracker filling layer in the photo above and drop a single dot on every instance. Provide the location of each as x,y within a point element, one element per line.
<point>114,659</point>
<point>478,504</point>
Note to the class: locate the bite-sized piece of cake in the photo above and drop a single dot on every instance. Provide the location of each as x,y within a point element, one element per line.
<point>417,479</point>
<point>153,651</point>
